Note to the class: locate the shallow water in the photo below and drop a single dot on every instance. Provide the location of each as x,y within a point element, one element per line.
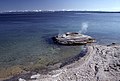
<point>25,38</point>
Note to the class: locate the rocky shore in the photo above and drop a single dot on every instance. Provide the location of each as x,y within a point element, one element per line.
<point>101,63</point>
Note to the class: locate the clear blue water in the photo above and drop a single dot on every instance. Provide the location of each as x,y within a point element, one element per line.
<point>25,38</point>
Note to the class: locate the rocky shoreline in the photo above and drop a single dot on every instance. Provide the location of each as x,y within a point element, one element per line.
<point>101,63</point>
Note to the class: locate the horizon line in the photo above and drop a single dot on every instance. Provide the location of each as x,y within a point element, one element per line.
<point>56,10</point>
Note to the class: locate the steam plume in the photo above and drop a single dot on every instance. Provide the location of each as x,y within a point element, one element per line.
<point>84,27</point>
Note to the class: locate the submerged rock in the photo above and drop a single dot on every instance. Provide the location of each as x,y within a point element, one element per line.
<point>71,38</point>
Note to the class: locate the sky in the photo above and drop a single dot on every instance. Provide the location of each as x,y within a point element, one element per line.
<point>90,5</point>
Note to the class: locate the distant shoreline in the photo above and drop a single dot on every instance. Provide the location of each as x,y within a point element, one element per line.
<point>3,12</point>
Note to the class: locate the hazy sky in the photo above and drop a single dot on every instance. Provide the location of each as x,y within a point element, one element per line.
<point>107,5</point>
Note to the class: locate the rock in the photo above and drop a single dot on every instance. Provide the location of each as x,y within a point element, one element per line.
<point>35,76</point>
<point>112,44</point>
<point>73,38</point>
<point>20,79</point>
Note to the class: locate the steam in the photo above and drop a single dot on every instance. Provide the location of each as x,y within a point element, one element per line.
<point>84,27</point>
<point>60,32</point>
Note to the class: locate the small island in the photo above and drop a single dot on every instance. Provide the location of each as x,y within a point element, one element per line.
<point>73,38</point>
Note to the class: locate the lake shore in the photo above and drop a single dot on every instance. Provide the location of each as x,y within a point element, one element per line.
<point>101,63</point>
